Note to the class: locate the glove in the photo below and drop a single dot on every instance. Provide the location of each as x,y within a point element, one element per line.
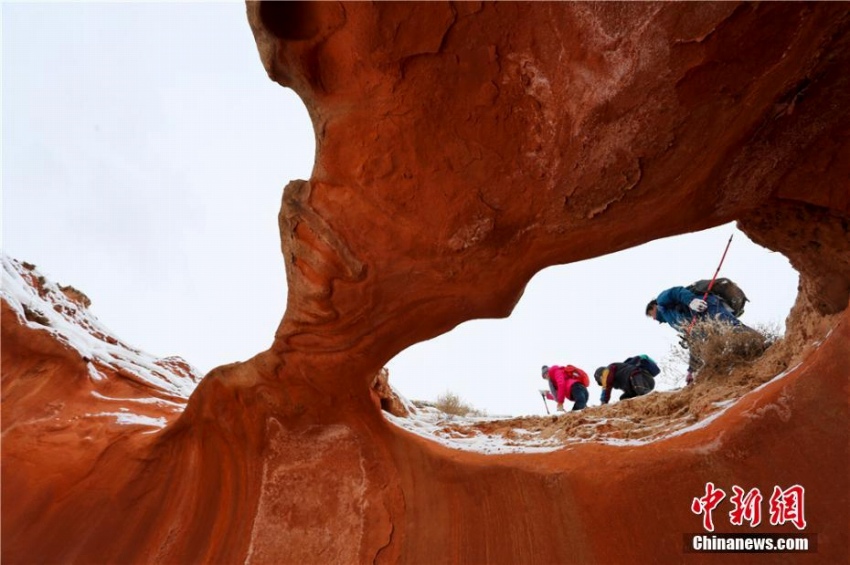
<point>698,305</point>
<point>602,398</point>
<point>561,408</point>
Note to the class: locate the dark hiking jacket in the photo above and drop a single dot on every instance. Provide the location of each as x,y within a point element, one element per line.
<point>673,307</point>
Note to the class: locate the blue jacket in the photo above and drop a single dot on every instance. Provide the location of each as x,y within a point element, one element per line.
<point>673,307</point>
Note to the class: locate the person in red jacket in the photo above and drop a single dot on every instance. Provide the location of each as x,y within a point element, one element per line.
<point>567,383</point>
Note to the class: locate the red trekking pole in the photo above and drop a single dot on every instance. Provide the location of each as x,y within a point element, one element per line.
<point>711,284</point>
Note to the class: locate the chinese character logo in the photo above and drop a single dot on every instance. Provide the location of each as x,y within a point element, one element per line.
<point>784,505</point>
<point>787,506</point>
<point>706,504</point>
<point>747,507</point>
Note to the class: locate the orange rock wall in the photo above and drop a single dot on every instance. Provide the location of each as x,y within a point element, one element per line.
<point>460,149</point>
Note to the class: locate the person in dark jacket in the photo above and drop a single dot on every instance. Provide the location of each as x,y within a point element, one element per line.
<point>566,383</point>
<point>678,307</point>
<point>635,377</point>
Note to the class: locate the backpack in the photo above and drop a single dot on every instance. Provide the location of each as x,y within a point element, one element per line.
<point>644,363</point>
<point>642,383</point>
<point>580,375</point>
<point>725,290</point>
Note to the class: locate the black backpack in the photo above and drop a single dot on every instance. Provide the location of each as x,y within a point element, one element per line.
<point>642,383</point>
<point>725,290</point>
<point>644,363</point>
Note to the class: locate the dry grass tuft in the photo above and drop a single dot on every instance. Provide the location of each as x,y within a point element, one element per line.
<point>452,404</point>
<point>722,348</point>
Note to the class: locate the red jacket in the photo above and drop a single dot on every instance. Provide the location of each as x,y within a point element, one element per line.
<point>564,378</point>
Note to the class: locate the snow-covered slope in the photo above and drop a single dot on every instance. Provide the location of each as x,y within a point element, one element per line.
<point>44,306</point>
<point>65,371</point>
<point>466,432</point>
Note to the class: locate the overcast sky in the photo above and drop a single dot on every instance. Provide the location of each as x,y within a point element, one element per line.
<point>144,156</point>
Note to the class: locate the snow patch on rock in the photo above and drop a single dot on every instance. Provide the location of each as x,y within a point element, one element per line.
<point>43,306</point>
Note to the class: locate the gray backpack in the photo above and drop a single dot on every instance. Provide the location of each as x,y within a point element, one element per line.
<point>725,290</point>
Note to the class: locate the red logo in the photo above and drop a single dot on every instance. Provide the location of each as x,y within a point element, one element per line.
<point>706,504</point>
<point>785,506</point>
<point>747,507</point>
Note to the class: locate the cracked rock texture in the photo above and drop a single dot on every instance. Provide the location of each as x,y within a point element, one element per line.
<point>462,147</point>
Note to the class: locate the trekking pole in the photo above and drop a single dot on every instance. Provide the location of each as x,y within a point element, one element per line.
<point>710,284</point>
<point>543,396</point>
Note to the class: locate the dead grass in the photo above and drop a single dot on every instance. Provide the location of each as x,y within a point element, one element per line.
<point>452,404</point>
<point>722,348</point>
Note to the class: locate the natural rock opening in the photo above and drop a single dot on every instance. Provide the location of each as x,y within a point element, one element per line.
<point>591,129</point>
<point>463,146</point>
<point>589,314</point>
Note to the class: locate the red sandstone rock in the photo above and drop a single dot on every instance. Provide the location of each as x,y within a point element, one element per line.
<point>460,149</point>
<point>71,394</point>
<point>386,397</point>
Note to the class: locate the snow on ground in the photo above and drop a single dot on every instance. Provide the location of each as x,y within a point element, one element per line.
<point>129,419</point>
<point>165,403</point>
<point>27,291</point>
<point>457,432</point>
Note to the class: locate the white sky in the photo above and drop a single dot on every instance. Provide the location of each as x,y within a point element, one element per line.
<point>144,156</point>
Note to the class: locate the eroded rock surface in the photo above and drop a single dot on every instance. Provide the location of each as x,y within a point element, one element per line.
<point>460,149</point>
<point>385,396</point>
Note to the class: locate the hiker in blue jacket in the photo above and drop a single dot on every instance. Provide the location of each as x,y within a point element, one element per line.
<point>678,307</point>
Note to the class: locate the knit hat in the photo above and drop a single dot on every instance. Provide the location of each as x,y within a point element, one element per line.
<point>598,375</point>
